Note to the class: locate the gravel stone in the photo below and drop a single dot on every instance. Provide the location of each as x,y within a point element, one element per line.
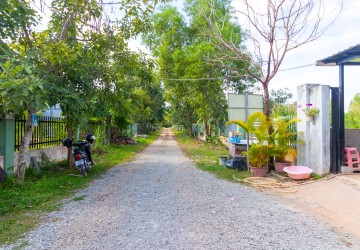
<point>162,201</point>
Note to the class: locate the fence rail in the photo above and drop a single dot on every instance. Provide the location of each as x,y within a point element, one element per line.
<point>49,132</point>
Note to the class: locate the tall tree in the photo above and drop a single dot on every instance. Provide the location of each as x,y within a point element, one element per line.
<point>67,63</point>
<point>21,85</point>
<point>193,87</point>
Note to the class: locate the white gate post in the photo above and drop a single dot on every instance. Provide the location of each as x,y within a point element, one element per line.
<point>315,153</point>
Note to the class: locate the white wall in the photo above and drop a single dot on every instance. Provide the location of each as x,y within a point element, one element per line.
<point>53,153</point>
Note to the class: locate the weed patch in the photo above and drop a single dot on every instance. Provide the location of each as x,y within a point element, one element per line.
<point>205,155</point>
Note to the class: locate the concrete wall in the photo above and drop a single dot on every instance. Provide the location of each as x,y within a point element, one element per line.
<point>352,138</point>
<point>315,152</point>
<point>53,153</point>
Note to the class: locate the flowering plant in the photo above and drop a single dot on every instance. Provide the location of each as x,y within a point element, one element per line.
<point>309,110</point>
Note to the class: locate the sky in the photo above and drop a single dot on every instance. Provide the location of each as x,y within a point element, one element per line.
<point>299,65</point>
<point>342,34</point>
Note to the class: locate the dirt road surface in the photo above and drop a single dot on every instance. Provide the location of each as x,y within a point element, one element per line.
<point>162,201</point>
<point>335,200</point>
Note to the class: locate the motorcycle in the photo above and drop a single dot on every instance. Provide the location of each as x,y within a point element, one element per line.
<point>81,153</point>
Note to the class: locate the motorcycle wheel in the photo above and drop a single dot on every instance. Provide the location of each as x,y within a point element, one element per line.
<point>88,166</point>
<point>83,171</point>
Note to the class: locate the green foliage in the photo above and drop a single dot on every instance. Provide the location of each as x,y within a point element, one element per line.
<point>311,111</point>
<point>284,110</point>
<point>15,15</point>
<point>21,87</point>
<point>279,103</point>
<point>283,135</point>
<point>182,50</point>
<point>81,61</point>
<point>208,14</point>
<point>269,137</point>
<point>352,117</point>
<point>257,127</point>
<point>215,140</point>
<point>316,176</point>
<point>280,96</point>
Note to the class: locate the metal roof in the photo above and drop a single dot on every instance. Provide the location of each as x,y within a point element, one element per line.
<point>350,56</point>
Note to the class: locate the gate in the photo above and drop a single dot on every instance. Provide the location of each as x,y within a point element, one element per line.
<point>337,145</point>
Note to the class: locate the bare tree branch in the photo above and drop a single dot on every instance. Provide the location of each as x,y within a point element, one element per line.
<point>278,28</point>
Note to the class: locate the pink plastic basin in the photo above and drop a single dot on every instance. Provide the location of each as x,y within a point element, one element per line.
<point>298,172</point>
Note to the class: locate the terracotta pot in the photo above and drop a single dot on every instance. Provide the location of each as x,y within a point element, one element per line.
<point>279,166</point>
<point>258,172</point>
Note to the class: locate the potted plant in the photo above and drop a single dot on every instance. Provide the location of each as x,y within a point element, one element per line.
<point>284,135</point>
<point>257,128</point>
<point>310,111</point>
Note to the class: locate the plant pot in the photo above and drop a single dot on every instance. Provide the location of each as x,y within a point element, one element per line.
<point>258,172</point>
<point>279,166</point>
<point>309,118</point>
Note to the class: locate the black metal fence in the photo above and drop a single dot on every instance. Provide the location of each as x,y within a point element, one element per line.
<point>50,131</point>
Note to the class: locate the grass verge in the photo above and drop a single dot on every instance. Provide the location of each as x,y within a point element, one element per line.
<point>21,207</point>
<point>206,155</point>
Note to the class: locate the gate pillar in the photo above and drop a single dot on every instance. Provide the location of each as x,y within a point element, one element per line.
<point>7,142</point>
<point>315,152</point>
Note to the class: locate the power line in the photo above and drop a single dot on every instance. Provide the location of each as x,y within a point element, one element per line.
<point>298,67</point>
<point>198,79</point>
<point>40,9</point>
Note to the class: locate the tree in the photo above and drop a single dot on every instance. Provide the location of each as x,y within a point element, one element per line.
<point>22,90</point>
<point>280,96</point>
<point>16,19</point>
<point>90,60</point>
<point>21,85</point>
<point>67,63</point>
<point>275,31</point>
<point>193,87</point>
<point>352,117</point>
<point>279,103</point>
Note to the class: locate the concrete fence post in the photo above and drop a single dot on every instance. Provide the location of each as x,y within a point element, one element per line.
<point>7,142</point>
<point>315,153</point>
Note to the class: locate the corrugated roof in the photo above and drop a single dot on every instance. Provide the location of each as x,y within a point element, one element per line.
<point>350,56</point>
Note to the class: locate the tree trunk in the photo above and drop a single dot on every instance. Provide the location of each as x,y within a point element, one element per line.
<point>108,130</point>
<point>70,160</point>
<point>271,165</point>
<point>19,171</point>
<point>206,128</point>
<point>190,124</point>
<point>266,99</point>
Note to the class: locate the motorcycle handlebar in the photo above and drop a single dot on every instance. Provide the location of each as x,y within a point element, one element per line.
<point>80,143</point>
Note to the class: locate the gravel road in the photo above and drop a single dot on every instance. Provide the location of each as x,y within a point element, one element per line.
<point>161,201</point>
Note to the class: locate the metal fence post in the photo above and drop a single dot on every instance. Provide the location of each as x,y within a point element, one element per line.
<point>7,141</point>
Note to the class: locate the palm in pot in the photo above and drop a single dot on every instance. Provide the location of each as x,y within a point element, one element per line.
<point>284,135</point>
<point>257,128</point>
